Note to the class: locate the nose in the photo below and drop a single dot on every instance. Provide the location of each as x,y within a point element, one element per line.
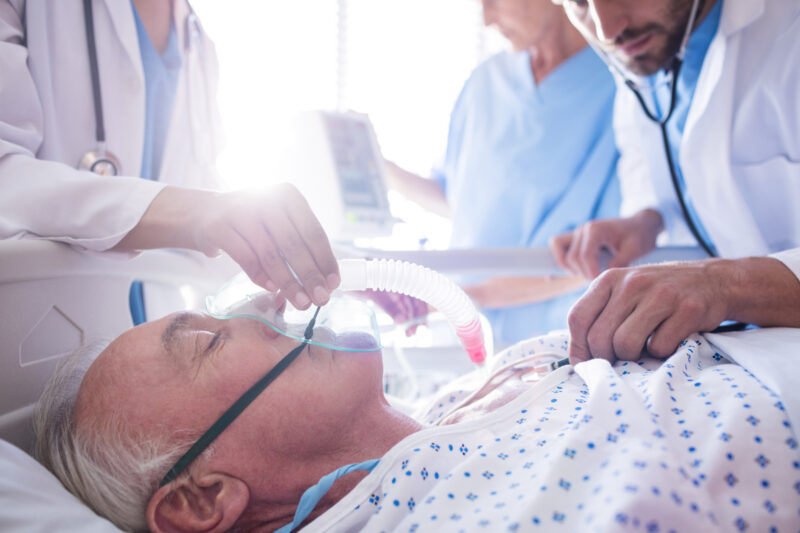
<point>266,331</point>
<point>249,326</point>
<point>609,19</point>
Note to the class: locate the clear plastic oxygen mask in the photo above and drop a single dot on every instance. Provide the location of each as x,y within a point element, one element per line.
<point>347,323</point>
<point>344,323</point>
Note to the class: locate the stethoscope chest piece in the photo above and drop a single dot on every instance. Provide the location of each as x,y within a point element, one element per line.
<point>100,162</point>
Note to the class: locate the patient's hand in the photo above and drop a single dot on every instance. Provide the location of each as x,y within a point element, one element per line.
<point>400,307</point>
<point>495,293</point>
<point>627,310</point>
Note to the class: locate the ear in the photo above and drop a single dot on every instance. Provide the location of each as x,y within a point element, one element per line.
<point>212,503</point>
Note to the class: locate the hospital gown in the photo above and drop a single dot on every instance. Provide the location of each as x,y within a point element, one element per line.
<point>526,161</point>
<point>693,444</point>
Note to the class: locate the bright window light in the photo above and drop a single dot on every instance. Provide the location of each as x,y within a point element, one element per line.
<point>402,62</point>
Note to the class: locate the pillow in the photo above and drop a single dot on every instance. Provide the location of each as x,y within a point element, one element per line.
<point>32,500</point>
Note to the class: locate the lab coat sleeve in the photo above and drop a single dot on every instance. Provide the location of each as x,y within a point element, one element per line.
<point>48,199</point>
<point>790,258</point>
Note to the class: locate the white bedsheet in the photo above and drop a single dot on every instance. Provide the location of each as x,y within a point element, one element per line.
<point>695,444</point>
<point>773,356</point>
<point>33,501</point>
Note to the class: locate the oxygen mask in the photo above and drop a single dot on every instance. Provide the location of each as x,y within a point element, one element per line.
<point>344,323</point>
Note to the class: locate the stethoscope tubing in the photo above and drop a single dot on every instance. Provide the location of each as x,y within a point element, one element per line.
<point>662,123</point>
<point>100,130</point>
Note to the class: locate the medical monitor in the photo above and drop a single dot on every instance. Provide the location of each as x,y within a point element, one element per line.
<point>338,166</point>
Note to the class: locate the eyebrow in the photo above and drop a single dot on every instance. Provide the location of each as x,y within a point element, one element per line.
<point>175,326</point>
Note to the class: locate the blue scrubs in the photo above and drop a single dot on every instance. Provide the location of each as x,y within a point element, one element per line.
<point>161,81</point>
<point>696,50</point>
<point>528,161</point>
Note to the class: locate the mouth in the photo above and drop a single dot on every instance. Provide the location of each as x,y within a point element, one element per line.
<point>634,47</point>
<point>358,341</point>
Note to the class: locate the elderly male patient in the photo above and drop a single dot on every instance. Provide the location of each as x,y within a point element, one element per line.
<point>693,443</point>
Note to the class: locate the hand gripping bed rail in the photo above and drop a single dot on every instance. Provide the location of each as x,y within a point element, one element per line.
<point>423,283</point>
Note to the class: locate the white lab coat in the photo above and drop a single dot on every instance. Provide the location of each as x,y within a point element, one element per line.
<point>47,121</point>
<point>740,153</point>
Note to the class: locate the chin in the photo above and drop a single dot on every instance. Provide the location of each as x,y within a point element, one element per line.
<point>645,65</point>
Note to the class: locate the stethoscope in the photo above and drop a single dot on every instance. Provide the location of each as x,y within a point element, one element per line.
<point>674,70</point>
<point>101,161</point>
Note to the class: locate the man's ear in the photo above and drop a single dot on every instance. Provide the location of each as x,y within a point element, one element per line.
<point>211,503</point>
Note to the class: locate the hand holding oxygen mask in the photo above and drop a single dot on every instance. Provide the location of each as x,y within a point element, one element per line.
<point>273,235</point>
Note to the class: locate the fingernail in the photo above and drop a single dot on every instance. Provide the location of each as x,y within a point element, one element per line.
<point>320,295</point>
<point>302,300</point>
<point>270,286</point>
<point>333,281</point>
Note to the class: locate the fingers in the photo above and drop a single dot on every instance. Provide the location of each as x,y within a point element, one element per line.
<point>667,337</point>
<point>630,338</point>
<point>559,246</point>
<point>316,242</point>
<point>601,244</point>
<point>240,251</point>
<point>586,256</point>
<point>626,311</point>
<point>582,317</point>
<point>601,337</point>
<point>588,248</point>
<point>277,240</point>
<point>624,255</point>
<point>400,307</point>
<point>302,243</point>
<point>693,313</point>
<point>269,251</point>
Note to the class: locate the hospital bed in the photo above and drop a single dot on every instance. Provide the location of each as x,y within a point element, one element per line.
<point>54,299</point>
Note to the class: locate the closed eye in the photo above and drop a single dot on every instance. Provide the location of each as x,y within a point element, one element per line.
<point>214,340</point>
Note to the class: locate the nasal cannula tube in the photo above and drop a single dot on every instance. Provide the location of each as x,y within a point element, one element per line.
<point>423,283</point>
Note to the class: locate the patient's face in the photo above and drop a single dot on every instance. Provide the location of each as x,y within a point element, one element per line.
<point>178,374</point>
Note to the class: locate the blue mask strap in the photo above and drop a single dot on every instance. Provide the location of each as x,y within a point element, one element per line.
<point>314,494</point>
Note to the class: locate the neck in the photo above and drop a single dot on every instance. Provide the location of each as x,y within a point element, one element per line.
<point>555,46</point>
<point>371,437</point>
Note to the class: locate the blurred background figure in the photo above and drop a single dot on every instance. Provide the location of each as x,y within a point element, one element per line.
<point>530,154</point>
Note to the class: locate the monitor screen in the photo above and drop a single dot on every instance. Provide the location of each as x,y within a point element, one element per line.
<point>355,159</point>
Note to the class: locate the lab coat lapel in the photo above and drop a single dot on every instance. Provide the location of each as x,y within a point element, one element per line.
<point>121,15</point>
<point>194,125</point>
<point>705,149</point>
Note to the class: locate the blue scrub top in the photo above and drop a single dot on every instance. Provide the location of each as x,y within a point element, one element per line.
<point>696,50</point>
<point>161,81</point>
<point>528,161</point>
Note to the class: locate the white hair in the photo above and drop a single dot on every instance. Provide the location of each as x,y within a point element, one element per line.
<point>110,467</point>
